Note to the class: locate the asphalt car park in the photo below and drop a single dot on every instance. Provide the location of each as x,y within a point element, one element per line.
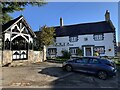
<point>48,74</point>
<point>82,80</point>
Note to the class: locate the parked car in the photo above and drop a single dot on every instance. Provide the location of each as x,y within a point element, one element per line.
<point>103,68</point>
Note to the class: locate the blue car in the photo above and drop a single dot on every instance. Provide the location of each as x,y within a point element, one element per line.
<point>103,68</point>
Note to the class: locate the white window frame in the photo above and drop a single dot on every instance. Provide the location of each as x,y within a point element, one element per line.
<point>52,51</point>
<point>73,38</point>
<point>100,49</point>
<point>73,50</point>
<point>98,37</point>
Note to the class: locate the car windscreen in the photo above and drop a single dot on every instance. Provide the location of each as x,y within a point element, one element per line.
<point>108,62</point>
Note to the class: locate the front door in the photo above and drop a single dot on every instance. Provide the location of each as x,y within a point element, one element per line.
<point>88,51</point>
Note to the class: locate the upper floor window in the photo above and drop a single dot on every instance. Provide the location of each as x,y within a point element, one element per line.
<point>98,37</point>
<point>73,38</point>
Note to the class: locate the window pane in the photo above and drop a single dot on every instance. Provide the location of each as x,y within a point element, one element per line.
<point>73,50</point>
<point>82,60</point>
<point>93,61</point>
<point>73,39</point>
<point>52,51</point>
<point>100,49</point>
<point>98,37</point>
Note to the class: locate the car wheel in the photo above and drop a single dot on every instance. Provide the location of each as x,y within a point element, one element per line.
<point>102,75</point>
<point>68,68</point>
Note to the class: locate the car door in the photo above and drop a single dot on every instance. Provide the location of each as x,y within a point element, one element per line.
<point>80,64</point>
<point>93,65</point>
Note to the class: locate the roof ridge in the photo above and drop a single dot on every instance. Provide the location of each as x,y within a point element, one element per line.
<point>84,28</point>
<point>81,24</point>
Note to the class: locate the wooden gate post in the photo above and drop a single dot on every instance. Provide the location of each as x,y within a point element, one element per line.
<point>44,53</point>
<point>1,50</point>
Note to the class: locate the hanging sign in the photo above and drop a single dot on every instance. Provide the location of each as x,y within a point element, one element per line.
<point>63,44</point>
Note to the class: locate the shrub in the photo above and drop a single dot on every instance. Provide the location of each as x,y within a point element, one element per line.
<point>106,57</point>
<point>65,54</point>
<point>79,52</point>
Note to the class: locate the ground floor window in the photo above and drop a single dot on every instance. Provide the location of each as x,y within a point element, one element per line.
<point>73,50</point>
<point>100,49</point>
<point>52,51</point>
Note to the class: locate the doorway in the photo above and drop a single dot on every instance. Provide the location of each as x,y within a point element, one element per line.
<point>20,48</point>
<point>88,50</point>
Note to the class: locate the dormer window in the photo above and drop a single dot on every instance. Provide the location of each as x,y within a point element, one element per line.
<point>98,37</point>
<point>73,38</point>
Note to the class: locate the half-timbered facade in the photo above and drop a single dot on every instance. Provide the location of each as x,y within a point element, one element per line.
<point>18,39</point>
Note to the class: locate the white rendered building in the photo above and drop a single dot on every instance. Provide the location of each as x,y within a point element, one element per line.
<point>89,37</point>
